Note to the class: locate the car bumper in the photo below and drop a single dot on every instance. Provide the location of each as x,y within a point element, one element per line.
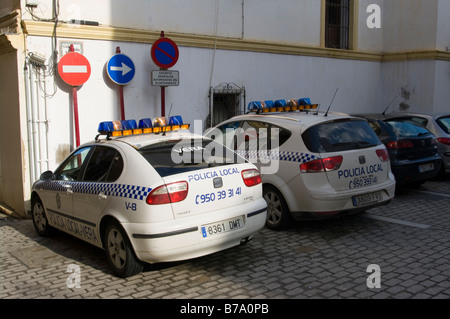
<point>183,238</point>
<point>322,205</point>
<point>410,172</point>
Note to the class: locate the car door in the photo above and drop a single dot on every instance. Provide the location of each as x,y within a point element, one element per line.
<point>91,195</point>
<point>58,197</point>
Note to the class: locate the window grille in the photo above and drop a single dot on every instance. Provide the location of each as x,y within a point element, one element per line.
<point>337,22</point>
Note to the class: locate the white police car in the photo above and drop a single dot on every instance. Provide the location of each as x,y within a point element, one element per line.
<point>152,197</point>
<point>313,164</point>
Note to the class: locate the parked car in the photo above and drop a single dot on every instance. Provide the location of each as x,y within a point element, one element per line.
<point>412,149</point>
<point>151,197</point>
<point>438,124</point>
<point>313,165</point>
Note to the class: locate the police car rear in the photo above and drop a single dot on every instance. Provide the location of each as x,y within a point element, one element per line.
<point>325,165</point>
<point>176,196</point>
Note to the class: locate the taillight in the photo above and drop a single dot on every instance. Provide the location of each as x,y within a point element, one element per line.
<point>444,140</point>
<point>251,177</point>
<point>170,193</point>
<point>383,155</point>
<point>322,165</point>
<point>400,144</point>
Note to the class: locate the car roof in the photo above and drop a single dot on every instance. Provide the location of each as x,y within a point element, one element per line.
<point>304,119</point>
<point>435,115</point>
<point>142,140</point>
<point>373,116</point>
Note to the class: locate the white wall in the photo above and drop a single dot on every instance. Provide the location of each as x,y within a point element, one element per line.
<point>290,21</point>
<point>265,76</point>
<point>410,25</point>
<point>412,82</point>
<point>443,32</point>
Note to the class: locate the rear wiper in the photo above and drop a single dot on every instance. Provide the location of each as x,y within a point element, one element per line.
<point>423,134</point>
<point>364,144</point>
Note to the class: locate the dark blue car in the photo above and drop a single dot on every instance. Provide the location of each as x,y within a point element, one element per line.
<point>412,149</point>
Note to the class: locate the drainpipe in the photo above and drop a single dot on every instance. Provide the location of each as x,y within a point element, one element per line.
<point>28,99</point>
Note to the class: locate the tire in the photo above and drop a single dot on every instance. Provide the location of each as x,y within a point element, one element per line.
<point>119,253</point>
<point>278,215</point>
<point>39,217</point>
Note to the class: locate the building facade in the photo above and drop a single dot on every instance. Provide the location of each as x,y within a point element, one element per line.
<point>231,52</point>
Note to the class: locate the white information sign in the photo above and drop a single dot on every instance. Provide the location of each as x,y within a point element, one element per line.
<point>165,78</point>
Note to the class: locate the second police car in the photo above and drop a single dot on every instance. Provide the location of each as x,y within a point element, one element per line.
<point>313,165</point>
<point>152,197</point>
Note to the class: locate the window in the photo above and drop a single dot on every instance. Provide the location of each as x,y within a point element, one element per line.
<point>70,169</point>
<point>105,165</point>
<point>176,157</point>
<point>270,137</point>
<point>444,123</point>
<point>338,23</point>
<point>407,129</point>
<point>339,137</point>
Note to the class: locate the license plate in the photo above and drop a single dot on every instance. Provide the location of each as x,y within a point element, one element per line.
<point>426,167</point>
<point>367,199</point>
<point>222,226</point>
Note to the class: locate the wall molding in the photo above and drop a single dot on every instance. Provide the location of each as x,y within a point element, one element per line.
<point>107,33</point>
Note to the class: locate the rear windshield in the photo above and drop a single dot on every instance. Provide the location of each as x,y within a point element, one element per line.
<point>407,129</point>
<point>175,157</point>
<point>444,123</point>
<point>340,136</point>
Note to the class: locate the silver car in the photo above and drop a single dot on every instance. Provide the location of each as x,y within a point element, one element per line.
<point>438,124</point>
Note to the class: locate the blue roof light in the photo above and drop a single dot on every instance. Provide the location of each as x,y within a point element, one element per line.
<point>175,120</point>
<point>129,125</point>
<point>105,127</point>
<point>145,123</point>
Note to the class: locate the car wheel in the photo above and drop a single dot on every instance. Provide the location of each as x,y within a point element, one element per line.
<point>39,217</point>
<point>278,215</point>
<point>119,252</point>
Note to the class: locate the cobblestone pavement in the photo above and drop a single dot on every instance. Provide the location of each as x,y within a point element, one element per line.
<point>408,240</point>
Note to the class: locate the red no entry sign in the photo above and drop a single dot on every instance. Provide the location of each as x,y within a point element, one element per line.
<point>164,53</point>
<point>74,69</point>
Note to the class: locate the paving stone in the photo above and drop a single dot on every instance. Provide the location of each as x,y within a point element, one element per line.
<point>311,260</point>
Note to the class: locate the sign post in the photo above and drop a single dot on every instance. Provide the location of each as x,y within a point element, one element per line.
<point>121,70</point>
<point>75,70</point>
<point>164,53</point>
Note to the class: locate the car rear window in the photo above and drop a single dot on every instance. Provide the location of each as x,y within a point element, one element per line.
<point>175,157</point>
<point>407,129</point>
<point>340,136</point>
<point>444,123</point>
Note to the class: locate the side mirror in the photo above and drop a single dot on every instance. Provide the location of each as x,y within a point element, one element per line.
<point>46,176</point>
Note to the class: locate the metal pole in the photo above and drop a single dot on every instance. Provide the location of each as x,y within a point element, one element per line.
<point>163,91</point>
<point>122,102</point>
<point>75,115</point>
<point>163,101</point>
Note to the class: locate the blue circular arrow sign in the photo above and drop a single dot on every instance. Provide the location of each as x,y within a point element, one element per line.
<point>120,69</point>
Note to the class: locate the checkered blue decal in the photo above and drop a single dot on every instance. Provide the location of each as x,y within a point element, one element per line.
<point>278,155</point>
<point>117,190</point>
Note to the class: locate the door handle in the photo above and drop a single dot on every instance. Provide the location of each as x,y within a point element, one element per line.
<point>102,196</point>
<point>68,188</point>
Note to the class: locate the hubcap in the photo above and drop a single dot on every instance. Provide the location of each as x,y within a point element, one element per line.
<point>274,208</point>
<point>39,217</point>
<point>116,248</point>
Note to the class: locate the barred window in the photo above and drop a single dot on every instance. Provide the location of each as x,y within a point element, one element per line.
<point>337,24</point>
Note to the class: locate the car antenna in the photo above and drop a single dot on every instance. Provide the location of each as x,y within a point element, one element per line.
<point>326,114</point>
<point>384,113</point>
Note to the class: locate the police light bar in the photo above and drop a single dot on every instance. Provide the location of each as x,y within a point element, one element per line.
<point>269,106</point>
<point>145,126</point>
